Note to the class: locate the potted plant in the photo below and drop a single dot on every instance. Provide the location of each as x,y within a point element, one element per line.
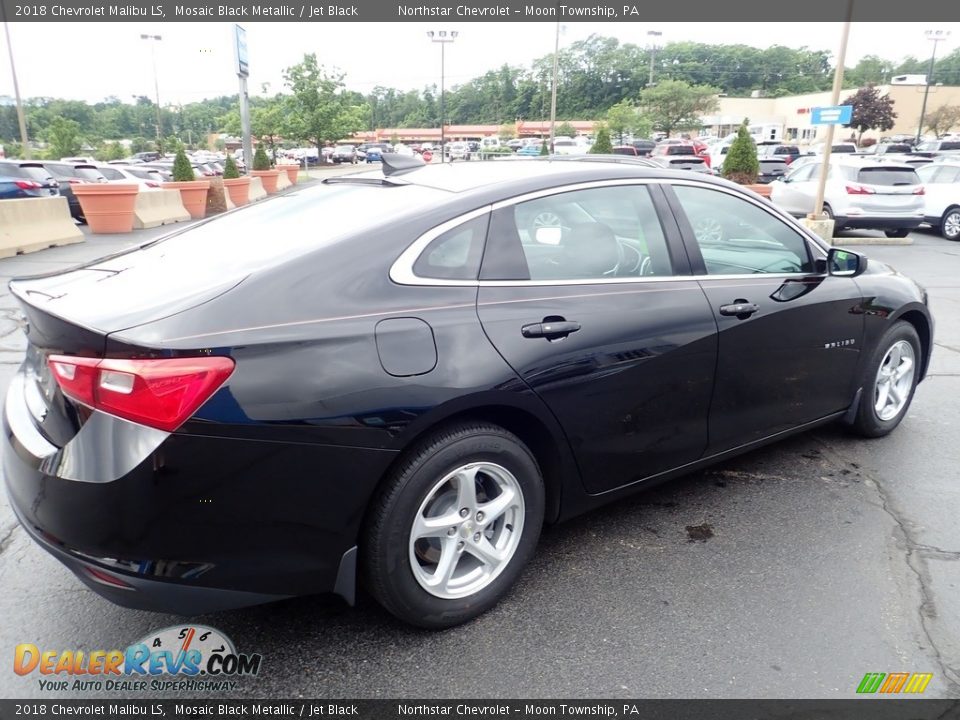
<point>236,185</point>
<point>741,165</point>
<point>292,169</point>
<point>262,170</point>
<point>108,207</point>
<point>193,192</point>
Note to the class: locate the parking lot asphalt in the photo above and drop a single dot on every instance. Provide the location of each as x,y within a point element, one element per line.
<point>789,572</point>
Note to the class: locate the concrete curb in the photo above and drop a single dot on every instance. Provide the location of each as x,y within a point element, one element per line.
<point>841,242</point>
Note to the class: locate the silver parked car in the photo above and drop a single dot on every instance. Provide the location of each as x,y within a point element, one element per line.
<point>942,198</point>
<point>861,193</point>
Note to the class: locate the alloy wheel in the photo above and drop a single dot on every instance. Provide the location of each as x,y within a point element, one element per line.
<point>467,530</point>
<point>894,380</point>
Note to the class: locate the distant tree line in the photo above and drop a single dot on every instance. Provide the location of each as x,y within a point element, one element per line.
<point>600,78</point>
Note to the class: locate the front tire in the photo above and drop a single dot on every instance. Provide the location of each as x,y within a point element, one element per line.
<point>453,525</point>
<point>950,224</point>
<point>889,381</point>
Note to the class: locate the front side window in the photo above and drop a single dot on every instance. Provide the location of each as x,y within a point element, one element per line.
<point>736,237</point>
<point>595,234</point>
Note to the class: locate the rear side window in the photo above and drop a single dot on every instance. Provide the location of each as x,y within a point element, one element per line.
<point>787,150</point>
<point>950,145</point>
<point>888,176</point>
<point>595,234</point>
<point>111,174</point>
<point>454,255</point>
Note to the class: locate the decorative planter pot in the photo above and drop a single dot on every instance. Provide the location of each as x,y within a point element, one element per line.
<point>269,178</point>
<point>107,207</point>
<point>759,189</point>
<point>238,189</point>
<point>193,193</point>
<point>293,172</point>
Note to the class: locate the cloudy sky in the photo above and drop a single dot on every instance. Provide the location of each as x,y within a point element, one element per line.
<point>89,61</point>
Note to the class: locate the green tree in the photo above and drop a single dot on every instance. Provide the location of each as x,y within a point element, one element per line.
<point>111,151</point>
<point>507,132</point>
<point>63,138</point>
<point>565,129</point>
<point>622,119</point>
<point>871,111</point>
<point>182,169</point>
<point>601,145</point>
<point>674,104</point>
<point>260,159</point>
<point>740,164</point>
<point>230,171</point>
<point>943,119</point>
<point>319,111</point>
<point>544,150</point>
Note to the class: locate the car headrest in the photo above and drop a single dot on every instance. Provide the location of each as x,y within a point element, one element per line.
<point>591,250</point>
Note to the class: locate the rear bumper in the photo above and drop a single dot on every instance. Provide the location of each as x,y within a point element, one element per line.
<point>201,523</point>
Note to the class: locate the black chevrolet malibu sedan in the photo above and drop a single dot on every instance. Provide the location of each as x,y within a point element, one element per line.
<point>394,379</point>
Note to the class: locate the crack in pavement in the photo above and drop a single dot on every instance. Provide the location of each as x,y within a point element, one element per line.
<point>914,556</point>
<point>5,540</point>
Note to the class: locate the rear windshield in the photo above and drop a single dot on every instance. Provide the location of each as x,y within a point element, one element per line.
<point>843,148</point>
<point>624,151</point>
<point>30,172</point>
<point>787,150</point>
<point>680,150</point>
<point>888,176</point>
<point>896,148</point>
<point>61,171</point>
<point>950,145</point>
<point>145,174</point>
<point>773,163</point>
<point>111,174</point>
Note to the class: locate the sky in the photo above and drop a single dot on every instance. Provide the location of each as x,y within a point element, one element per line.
<point>195,60</point>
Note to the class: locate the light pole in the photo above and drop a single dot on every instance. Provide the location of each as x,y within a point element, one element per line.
<point>933,36</point>
<point>443,37</point>
<point>16,89</point>
<point>154,39</point>
<point>652,46</point>
<point>553,88</point>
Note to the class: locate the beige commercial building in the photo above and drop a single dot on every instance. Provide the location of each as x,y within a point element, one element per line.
<point>788,118</point>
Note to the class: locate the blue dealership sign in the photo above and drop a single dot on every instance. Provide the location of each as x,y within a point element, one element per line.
<point>833,115</point>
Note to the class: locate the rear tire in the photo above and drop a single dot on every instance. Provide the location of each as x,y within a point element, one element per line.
<point>950,224</point>
<point>898,233</point>
<point>889,381</point>
<point>453,525</point>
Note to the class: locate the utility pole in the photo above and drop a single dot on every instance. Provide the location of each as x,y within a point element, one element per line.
<point>934,36</point>
<point>652,46</point>
<point>553,92</point>
<point>443,37</point>
<point>21,119</point>
<point>154,39</point>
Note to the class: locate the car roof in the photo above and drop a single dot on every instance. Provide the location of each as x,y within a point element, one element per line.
<point>512,177</point>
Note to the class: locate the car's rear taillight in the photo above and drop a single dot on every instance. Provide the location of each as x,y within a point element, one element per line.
<point>920,191</point>
<point>160,393</point>
<point>151,184</point>
<point>27,184</point>
<point>860,190</point>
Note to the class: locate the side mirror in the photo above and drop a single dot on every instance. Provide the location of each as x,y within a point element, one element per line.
<point>845,263</point>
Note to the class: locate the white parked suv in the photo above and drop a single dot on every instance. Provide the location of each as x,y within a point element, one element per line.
<point>941,182</point>
<point>860,193</point>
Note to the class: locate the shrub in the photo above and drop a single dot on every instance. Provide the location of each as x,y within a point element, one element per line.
<point>741,165</point>
<point>544,150</point>
<point>602,144</point>
<point>260,159</point>
<point>230,171</point>
<point>182,169</point>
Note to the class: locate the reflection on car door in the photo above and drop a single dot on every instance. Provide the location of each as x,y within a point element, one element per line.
<point>789,336</point>
<point>582,295</point>
<point>794,196</point>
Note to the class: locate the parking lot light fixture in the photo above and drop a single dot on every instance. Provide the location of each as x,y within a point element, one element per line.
<point>154,39</point>
<point>443,37</point>
<point>653,44</point>
<point>934,36</point>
